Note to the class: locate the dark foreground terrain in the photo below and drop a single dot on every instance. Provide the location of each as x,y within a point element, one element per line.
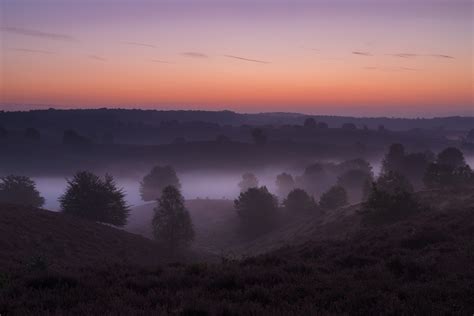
<point>422,265</point>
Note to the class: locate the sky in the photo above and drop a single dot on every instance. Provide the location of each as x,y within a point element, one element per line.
<point>345,57</point>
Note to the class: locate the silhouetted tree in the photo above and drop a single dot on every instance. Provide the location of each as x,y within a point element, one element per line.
<point>154,182</point>
<point>19,190</point>
<point>299,201</point>
<point>259,136</point>
<point>88,196</point>
<point>452,157</point>
<point>71,137</point>
<point>393,160</point>
<point>257,209</point>
<point>249,180</point>
<point>445,176</point>
<point>353,182</point>
<point>32,134</point>
<point>393,182</point>
<point>384,207</point>
<point>334,198</point>
<point>285,183</point>
<point>310,122</point>
<point>172,225</point>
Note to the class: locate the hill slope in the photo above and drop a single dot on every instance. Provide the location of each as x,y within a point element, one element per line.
<point>28,235</point>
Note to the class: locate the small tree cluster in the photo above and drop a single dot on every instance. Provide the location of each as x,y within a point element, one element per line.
<point>20,190</point>
<point>172,225</point>
<point>249,180</point>
<point>93,198</point>
<point>298,201</point>
<point>257,209</point>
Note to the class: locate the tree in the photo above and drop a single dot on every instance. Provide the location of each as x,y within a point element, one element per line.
<point>257,209</point>
<point>285,183</point>
<point>259,136</point>
<point>222,139</point>
<point>156,180</point>
<point>445,176</point>
<point>20,190</point>
<point>383,206</point>
<point>172,225</point>
<point>452,157</point>
<point>334,198</point>
<point>93,198</point>
<point>32,134</point>
<point>310,122</point>
<point>353,182</point>
<point>299,201</point>
<point>393,160</point>
<point>249,180</point>
<point>393,182</point>
<point>414,167</point>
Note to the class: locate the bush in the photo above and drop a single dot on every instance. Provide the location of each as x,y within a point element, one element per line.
<point>386,207</point>
<point>19,190</point>
<point>172,224</point>
<point>334,198</point>
<point>256,209</point>
<point>299,201</point>
<point>154,182</point>
<point>93,198</point>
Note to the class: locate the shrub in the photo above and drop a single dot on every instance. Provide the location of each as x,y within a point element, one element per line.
<point>334,198</point>
<point>93,198</point>
<point>19,190</point>
<point>154,182</point>
<point>256,209</point>
<point>299,201</point>
<point>386,207</point>
<point>172,224</point>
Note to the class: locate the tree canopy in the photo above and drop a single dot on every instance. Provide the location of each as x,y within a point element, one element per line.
<point>93,198</point>
<point>172,225</point>
<point>19,190</point>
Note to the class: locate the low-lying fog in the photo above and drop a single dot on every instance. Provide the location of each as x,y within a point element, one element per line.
<point>195,184</point>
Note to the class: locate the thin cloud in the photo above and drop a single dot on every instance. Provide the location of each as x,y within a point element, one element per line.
<point>247,59</point>
<point>391,69</point>
<point>41,34</point>
<point>34,51</point>
<point>362,53</point>
<point>140,44</point>
<point>404,55</point>
<point>409,69</point>
<point>194,55</point>
<point>161,61</point>
<point>442,56</point>
<point>98,58</point>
